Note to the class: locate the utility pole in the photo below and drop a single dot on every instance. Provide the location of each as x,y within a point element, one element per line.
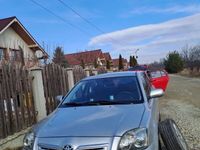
<point>136,53</point>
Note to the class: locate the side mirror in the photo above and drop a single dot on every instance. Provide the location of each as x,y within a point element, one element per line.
<point>156,93</point>
<point>59,98</point>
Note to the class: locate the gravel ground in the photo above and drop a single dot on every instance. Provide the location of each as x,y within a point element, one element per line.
<point>182,103</point>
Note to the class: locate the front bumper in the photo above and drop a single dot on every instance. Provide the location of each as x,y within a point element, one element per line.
<point>75,143</point>
<point>81,143</point>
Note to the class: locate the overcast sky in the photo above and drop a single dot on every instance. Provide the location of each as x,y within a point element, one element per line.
<point>155,27</point>
<point>154,41</point>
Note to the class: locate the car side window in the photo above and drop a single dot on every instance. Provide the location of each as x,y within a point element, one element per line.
<point>146,84</point>
<point>163,73</point>
<point>156,74</point>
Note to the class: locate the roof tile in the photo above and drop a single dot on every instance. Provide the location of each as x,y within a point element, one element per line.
<point>5,22</point>
<point>88,57</point>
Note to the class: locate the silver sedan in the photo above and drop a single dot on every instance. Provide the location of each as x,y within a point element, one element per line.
<point>113,111</point>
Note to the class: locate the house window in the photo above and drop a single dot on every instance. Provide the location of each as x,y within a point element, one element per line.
<point>1,54</point>
<point>12,55</point>
<point>15,55</point>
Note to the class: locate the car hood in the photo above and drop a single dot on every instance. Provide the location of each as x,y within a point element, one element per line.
<point>91,121</point>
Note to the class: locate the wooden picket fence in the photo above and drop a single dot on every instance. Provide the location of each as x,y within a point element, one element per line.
<point>55,81</point>
<point>16,100</point>
<point>17,111</point>
<point>79,73</point>
<point>101,70</point>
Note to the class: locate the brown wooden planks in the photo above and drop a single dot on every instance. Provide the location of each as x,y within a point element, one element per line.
<point>79,74</point>
<point>16,101</point>
<point>3,130</point>
<point>55,83</point>
<point>7,98</point>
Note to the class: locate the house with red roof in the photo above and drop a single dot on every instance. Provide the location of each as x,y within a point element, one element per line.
<point>89,58</point>
<point>107,56</point>
<point>115,63</point>
<point>18,45</point>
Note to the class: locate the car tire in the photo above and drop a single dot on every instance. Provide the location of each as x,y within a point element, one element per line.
<point>171,135</point>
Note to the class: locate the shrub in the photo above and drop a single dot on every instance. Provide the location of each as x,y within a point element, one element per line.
<point>173,62</point>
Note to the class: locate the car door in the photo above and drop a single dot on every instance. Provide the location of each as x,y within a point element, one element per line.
<point>152,110</point>
<point>156,79</point>
<point>159,79</point>
<point>164,79</point>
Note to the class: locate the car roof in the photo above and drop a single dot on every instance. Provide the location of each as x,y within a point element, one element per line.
<point>113,74</point>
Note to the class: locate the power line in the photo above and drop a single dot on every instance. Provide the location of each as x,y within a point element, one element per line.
<point>86,20</point>
<point>60,18</point>
<point>72,25</point>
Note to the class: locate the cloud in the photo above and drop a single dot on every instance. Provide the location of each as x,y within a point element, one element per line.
<point>152,38</point>
<point>193,8</point>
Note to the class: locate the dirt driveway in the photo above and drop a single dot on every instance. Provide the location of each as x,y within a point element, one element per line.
<point>182,103</point>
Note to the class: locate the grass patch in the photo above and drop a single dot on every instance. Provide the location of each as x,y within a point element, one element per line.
<point>17,148</point>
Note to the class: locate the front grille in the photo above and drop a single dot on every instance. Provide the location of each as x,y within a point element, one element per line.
<point>44,148</point>
<point>93,147</point>
<point>48,147</point>
<point>85,147</point>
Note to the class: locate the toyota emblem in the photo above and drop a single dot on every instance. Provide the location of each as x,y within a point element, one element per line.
<point>67,147</point>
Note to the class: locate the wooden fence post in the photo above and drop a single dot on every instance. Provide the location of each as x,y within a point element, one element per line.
<point>87,72</point>
<point>95,72</point>
<point>70,78</point>
<point>38,93</point>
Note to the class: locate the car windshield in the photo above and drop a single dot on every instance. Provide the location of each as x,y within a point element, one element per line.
<point>155,74</point>
<point>102,91</point>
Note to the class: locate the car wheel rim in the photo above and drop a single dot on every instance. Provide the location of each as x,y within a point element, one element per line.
<point>180,137</point>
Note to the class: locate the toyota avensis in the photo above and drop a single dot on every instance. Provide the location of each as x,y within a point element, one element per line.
<point>113,111</point>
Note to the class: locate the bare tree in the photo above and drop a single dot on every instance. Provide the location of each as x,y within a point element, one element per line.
<point>191,56</point>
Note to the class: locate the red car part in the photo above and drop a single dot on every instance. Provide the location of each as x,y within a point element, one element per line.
<point>159,79</point>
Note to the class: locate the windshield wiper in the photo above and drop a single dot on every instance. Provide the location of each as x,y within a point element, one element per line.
<point>99,102</point>
<point>105,102</point>
<point>72,104</point>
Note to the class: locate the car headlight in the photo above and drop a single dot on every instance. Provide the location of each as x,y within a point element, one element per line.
<point>134,139</point>
<point>29,141</point>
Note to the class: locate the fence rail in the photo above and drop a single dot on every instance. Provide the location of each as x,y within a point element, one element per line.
<point>17,110</point>
<point>78,73</point>
<point>16,100</point>
<point>55,81</point>
<point>101,70</point>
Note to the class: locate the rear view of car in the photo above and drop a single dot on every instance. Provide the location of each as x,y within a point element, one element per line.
<point>159,79</point>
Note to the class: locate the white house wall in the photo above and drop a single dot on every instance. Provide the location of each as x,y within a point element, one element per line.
<point>10,39</point>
